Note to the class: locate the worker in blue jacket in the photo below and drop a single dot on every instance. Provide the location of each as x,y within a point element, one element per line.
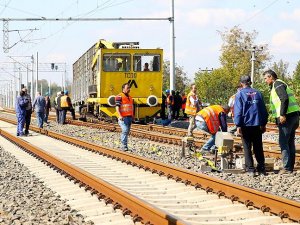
<point>251,117</point>
<point>21,104</point>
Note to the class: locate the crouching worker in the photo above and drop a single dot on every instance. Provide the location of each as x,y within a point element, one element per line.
<point>210,119</point>
<point>124,108</point>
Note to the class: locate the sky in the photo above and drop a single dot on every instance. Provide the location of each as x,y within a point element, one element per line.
<point>197,27</point>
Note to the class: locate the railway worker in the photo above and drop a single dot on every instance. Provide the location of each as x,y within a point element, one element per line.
<point>210,119</point>
<point>231,106</point>
<point>38,105</point>
<point>163,106</point>
<point>47,107</point>
<point>66,105</point>
<point>21,104</point>
<point>251,117</point>
<point>125,110</point>
<point>170,105</point>
<point>177,105</point>
<point>183,97</point>
<point>286,111</point>
<point>191,108</point>
<point>120,67</point>
<point>28,111</point>
<point>146,67</point>
<point>57,105</point>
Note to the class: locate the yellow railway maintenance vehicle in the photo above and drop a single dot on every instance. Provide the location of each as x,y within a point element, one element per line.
<point>99,73</point>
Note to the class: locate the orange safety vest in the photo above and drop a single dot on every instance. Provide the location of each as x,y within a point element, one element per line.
<point>183,100</point>
<point>126,108</point>
<point>211,116</point>
<point>170,101</point>
<point>63,101</point>
<point>190,108</point>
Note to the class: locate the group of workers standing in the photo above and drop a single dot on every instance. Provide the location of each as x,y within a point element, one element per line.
<point>247,107</point>
<point>41,106</point>
<point>249,113</point>
<point>250,117</point>
<point>62,105</point>
<point>172,104</point>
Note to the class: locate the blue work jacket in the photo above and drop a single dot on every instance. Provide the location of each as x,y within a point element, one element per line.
<point>21,104</point>
<point>249,108</point>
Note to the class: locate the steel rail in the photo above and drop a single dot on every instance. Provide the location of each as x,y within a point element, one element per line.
<point>167,135</point>
<point>283,207</point>
<point>146,212</point>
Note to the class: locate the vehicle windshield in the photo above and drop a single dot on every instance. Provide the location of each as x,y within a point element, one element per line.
<point>116,62</point>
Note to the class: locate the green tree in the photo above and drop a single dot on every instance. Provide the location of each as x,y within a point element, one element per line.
<point>280,69</point>
<point>181,80</point>
<point>295,82</point>
<point>216,87</point>
<point>236,56</point>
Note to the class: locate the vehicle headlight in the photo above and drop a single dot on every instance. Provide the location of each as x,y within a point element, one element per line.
<point>111,100</point>
<point>152,100</point>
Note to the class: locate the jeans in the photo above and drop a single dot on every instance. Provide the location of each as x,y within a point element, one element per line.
<point>287,141</point>
<point>170,112</point>
<point>40,119</point>
<point>21,122</point>
<point>125,126</point>
<point>252,136</point>
<point>201,125</point>
<point>46,116</point>
<point>62,116</point>
<point>27,120</point>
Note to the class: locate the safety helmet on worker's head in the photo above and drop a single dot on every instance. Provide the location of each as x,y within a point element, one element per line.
<point>167,91</point>
<point>66,92</point>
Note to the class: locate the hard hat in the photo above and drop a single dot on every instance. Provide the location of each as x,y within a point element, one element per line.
<point>66,92</point>
<point>167,91</point>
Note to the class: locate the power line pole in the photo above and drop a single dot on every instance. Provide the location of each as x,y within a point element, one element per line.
<point>170,19</point>
<point>172,48</point>
<point>253,49</point>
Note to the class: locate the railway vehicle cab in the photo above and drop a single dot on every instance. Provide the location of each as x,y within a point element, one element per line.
<point>106,66</point>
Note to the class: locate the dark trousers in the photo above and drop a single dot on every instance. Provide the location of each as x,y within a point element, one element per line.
<point>72,110</point>
<point>27,120</point>
<point>57,115</point>
<point>163,112</point>
<point>252,136</point>
<point>176,113</point>
<point>287,141</point>
<point>62,116</point>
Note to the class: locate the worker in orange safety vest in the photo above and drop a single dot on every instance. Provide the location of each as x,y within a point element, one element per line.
<point>125,111</point>
<point>210,119</point>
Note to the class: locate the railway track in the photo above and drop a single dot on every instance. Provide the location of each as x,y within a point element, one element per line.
<point>171,135</point>
<point>187,197</point>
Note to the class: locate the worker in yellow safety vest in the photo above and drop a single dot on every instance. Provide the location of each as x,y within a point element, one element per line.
<point>191,108</point>
<point>286,110</point>
<point>125,111</point>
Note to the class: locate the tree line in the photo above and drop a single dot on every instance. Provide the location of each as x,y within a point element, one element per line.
<point>216,86</point>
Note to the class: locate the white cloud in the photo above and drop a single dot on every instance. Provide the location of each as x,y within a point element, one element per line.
<point>286,41</point>
<point>216,16</point>
<point>295,15</point>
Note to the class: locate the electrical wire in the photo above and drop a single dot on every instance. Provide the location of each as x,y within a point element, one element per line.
<point>258,13</point>
<point>5,6</point>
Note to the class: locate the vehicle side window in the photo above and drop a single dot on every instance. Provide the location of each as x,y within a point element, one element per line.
<point>116,62</point>
<point>146,62</point>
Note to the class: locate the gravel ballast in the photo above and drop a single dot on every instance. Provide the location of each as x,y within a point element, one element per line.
<point>285,185</point>
<point>25,200</point>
